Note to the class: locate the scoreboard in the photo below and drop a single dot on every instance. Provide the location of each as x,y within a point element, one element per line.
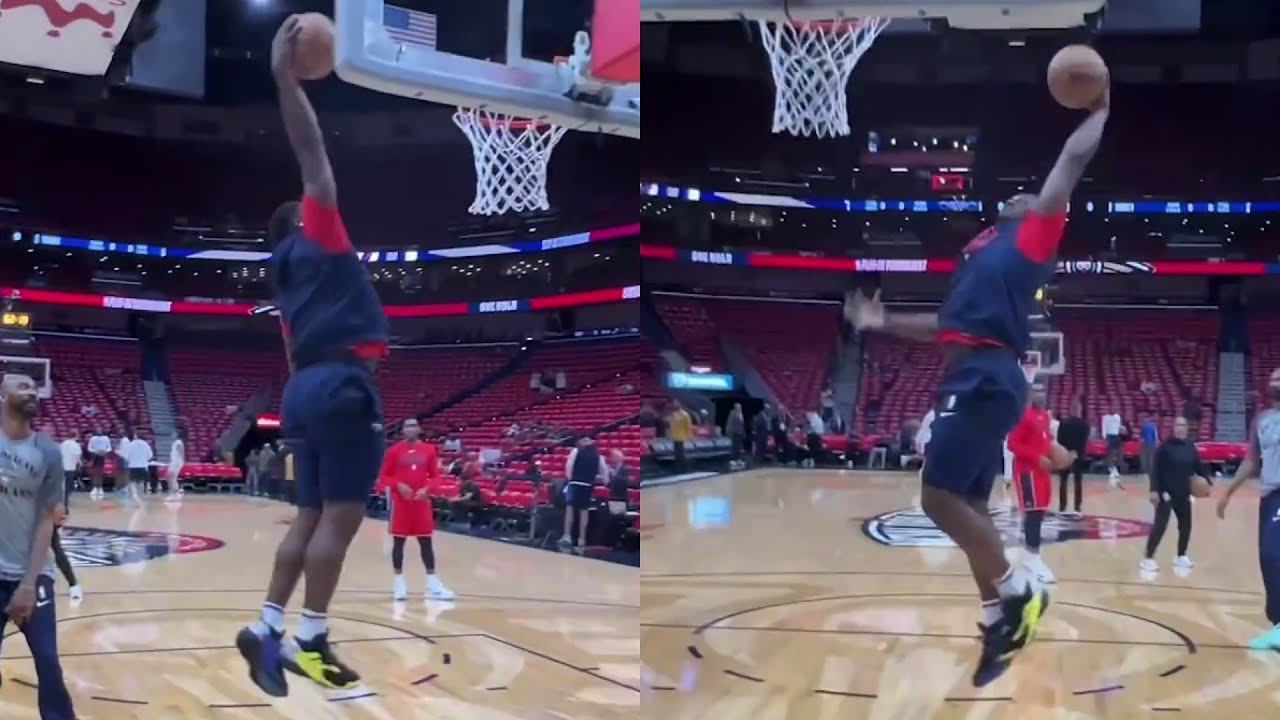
<point>15,330</point>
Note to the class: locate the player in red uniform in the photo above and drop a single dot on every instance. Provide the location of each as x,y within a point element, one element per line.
<point>1031,442</point>
<point>409,469</point>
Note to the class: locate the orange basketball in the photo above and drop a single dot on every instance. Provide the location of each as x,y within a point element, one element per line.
<point>1077,76</point>
<point>313,56</point>
<point>1061,457</point>
<point>1200,487</point>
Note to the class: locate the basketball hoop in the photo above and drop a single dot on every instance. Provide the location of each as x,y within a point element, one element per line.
<point>1031,366</point>
<point>511,156</point>
<point>811,63</point>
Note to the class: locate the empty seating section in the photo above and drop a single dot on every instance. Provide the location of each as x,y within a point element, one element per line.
<point>96,384</point>
<point>415,380</point>
<point>584,362</point>
<point>789,345</point>
<point>1264,346</point>
<point>1133,365</point>
<point>210,383</point>
<point>694,331</point>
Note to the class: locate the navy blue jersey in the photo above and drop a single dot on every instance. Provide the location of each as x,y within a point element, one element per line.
<point>326,299</point>
<point>993,288</point>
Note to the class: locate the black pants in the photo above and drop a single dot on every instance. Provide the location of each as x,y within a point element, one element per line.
<point>735,446</point>
<point>1074,469</point>
<point>41,632</point>
<point>60,558</point>
<point>1179,505</point>
<point>678,447</point>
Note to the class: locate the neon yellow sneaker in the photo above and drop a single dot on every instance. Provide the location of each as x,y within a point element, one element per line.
<point>314,659</point>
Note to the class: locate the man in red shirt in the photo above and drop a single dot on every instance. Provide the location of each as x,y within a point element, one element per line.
<point>1031,442</point>
<point>409,470</point>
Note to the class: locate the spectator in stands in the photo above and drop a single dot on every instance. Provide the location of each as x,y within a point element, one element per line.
<point>452,444</point>
<point>1112,427</point>
<point>72,459</point>
<point>680,430</point>
<point>533,472</point>
<point>736,428</point>
<point>760,427</point>
<point>828,403</point>
<point>99,447</point>
<point>584,469</point>
<point>836,425</point>
<point>619,476</point>
<point>1150,440</point>
<point>469,504</point>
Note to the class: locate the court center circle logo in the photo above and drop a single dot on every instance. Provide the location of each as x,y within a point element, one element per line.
<point>95,547</point>
<point>910,527</point>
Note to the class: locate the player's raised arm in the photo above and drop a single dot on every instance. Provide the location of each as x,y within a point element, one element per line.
<point>300,122</point>
<point>1072,161</point>
<point>869,314</point>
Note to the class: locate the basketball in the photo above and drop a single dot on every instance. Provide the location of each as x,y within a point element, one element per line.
<point>1061,457</point>
<point>1077,76</point>
<point>1200,487</point>
<point>313,56</point>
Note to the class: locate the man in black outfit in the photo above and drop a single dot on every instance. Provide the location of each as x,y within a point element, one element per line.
<point>760,425</point>
<point>1176,463</point>
<point>1073,434</point>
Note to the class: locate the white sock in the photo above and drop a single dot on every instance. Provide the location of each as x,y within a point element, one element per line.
<point>990,612</point>
<point>1015,582</point>
<point>270,619</point>
<point>310,625</point>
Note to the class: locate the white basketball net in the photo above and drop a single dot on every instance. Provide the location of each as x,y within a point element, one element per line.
<point>511,161</point>
<point>811,64</point>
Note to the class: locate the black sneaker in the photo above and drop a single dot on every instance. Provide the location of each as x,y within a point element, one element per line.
<point>263,656</point>
<point>314,660</point>
<point>1005,638</point>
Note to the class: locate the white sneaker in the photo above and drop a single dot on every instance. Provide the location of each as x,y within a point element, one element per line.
<point>76,593</point>
<point>1149,565</point>
<point>1183,561</point>
<point>1037,567</point>
<point>173,498</point>
<point>399,591</point>
<point>436,590</point>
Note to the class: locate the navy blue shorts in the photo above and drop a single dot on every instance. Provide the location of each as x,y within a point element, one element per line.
<point>332,422</point>
<point>980,399</point>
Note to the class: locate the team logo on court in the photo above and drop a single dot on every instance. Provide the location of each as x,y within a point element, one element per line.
<point>912,528</point>
<point>94,547</point>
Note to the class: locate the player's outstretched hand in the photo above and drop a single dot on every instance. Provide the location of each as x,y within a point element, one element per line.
<point>1222,507</point>
<point>21,604</point>
<point>862,312</point>
<point>282,49</point>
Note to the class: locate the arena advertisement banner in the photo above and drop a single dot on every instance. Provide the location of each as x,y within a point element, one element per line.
<point>71,36</point>
<point>813,261</point>
<point>215,307</point>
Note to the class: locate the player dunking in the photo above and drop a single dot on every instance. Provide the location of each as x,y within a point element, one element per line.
<point>335,333</point>
<point>409,469</point>
<point>984,329</point>
<point>31,504</point>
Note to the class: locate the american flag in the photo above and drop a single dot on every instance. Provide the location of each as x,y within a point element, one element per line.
<point>409,26</point>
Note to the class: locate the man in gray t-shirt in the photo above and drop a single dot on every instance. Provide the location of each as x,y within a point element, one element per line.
<point>1262,460</point>
<point>31,501</point>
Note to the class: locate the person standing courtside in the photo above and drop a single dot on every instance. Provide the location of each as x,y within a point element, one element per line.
<point>99,447</point>
<point>1262,460</point>
<point>31,504</point>
<point>72,458</point>
<point>1173,466</point>
<point>1150,439</point>
<point>584,469</point>
<point>736,428</point>
<point>1073,434</point>
<point>680,431</point>
<point>1111,429</point>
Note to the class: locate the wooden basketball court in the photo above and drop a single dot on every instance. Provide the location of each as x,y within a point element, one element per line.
<point>533,634</point>
<point>781,605</point>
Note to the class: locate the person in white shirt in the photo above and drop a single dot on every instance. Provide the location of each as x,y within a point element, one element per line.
<point>72,458</point>
<point>1111,429</point>
<point>138,456</point>
<point>177,458</point>
<point>122,462</point>
<point>99,446</point>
